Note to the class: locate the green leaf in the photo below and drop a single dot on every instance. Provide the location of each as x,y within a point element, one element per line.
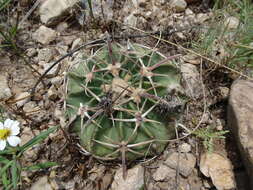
<point>41,166</point>
<point>5,179</point>
<point>14,174</point>
<point>3,4</point>
<point>4,160</point>
<point>6,167</point>
<point>36,140</point>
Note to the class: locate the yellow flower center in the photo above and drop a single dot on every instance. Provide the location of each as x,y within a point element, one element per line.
<point>4,133</point>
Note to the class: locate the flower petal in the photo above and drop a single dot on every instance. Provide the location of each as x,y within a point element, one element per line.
<point>2,144</point>
<point>13,140</point>
<point>1,125</point>
<point>14,128</point>
<point>8,123</point>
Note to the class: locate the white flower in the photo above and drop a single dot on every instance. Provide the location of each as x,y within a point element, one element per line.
<point>8,131</point>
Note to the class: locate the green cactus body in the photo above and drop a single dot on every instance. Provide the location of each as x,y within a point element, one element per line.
<point>115,93</point>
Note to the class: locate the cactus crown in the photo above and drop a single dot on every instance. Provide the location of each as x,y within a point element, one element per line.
<point>116,94</point>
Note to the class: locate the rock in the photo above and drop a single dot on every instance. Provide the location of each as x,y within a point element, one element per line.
<point>77,42</point>
<point>22,99</point>
<point>224,92</point>
<point>52,93</point>
<point>46,66</point>
<point>45,54</point>
<point>57,81</point>
<point>61,49</point>
<point>51,10</point>
<point>30,52</point>
<point>134,180</point>
<point>219,169</point>
<point>27,134</point>
<point>62,26</point>
<point>24,3</point>
<point>185,147</point>
<point>130,20</point>
<point>106,13</point>
<point>164,172</point>
<point>185,162</point>
<point>44,35</point>
<point>202,17</point>
<point>32,153</point>
<point>30,107</point>
<point>231,22</point>
<point>180,35</point>
<point>178,5</point>
<point>240,120</point>
<point>191,80</point>
<point>5,91</point>
<point>191,182</point>
<point>191,58</point>
<point>101,10</point>
<point>42,183</point>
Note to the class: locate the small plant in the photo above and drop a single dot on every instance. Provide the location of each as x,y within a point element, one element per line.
<point>208,134</point>
<point>10,154</point>
<point>118,100</point>
<point>8,30</point>
<point>233,47</point>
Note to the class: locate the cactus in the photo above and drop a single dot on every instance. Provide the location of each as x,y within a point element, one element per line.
<point>115,96</point>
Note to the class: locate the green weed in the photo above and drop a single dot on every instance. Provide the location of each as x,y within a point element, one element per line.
<point>208,134</point>
<point>232,47</point>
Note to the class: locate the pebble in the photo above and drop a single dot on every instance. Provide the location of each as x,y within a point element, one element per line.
<point>44,35</point>
<point>42,183</point>
<point>22,98</point>
<point>191,80</point>
<point>178,5</point>
<point>51,10</point>
<point>219,169</point>
<point>5,91</point>
<point>231,22</point>
<point>185,148</point>
<point>45,54</point>
<point>185,162</point>
<point>134,180</point>
<point>164,172</point>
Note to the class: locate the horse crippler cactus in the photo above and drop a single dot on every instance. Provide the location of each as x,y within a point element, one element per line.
<point>118,96</point>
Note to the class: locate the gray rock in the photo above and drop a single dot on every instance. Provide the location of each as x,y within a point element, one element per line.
<point>224,92</point>
<point>22,98</point>
<point>77,42</point>
<point>185,147</point>
<point>191,80</point>
<point>184,162</point>
<point>231,22</point>
<point>131,20</point>
<point>178,5</point>
<point>30,106</point>
<point>240,120</point>
<point>46,66</point>
<point>5,91</point>
<point>164,172</point>
<point>42,183</point>
<point>219,169</point>
<point>45,54</point>
<point>51,10</point>
<point>134,180</point>
<point>100,10</point>
<point>30,52</point>
<point>44,35</point>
